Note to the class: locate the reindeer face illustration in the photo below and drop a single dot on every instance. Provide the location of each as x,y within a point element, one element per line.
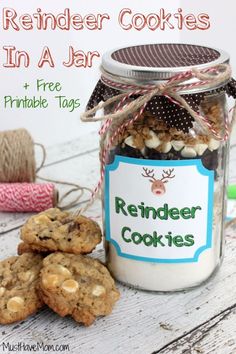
<point>158,188</point>
<point>158,185</point>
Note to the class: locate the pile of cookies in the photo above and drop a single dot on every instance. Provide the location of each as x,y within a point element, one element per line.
<point>52,269</point>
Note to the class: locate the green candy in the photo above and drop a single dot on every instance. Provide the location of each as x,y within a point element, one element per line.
<point>231,192</point>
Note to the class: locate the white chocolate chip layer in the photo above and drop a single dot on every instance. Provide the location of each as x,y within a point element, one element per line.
<point>15,304</point>
<point>2,290</point>
<point>200,149</point>
<point>213,144</point>
<point>98,290</point>
<point>70,286</point>
<point>188,152</point>
<point>152,142</point>
<point>177,144</point>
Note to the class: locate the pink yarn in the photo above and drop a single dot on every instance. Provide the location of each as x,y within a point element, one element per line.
<point>27,197</point>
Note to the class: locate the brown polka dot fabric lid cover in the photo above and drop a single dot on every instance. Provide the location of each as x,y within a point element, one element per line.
<point>161,61</point>
<point>169,55</point>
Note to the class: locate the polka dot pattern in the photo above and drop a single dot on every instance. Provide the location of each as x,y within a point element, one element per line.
<point>161,107</point>
<point>101,93</point>
<point>231,88</point>
<point>165,55</point>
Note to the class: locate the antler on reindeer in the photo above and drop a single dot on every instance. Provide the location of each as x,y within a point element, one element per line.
<point>167,175</point>
<point>149,174</point>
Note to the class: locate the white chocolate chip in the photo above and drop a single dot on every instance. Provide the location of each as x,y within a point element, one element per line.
<point>200,148</point>
<point>70,286</point>
<point>152,142</point>
<point>27,276</point>
<point>41,219</point>
<point>62,270</point>
<point>166,148</point>
<point>2,290</point>
<point>188,152</point>
<point>143,151</point>
<point>98,290</point>
<point>130,142</point>
<point>177,144</point>
<point>213,144</point>
<point>15,304</point>
<point>51,280</point>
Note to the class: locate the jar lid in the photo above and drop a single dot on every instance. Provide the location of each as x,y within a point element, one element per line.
<point>151,62</point>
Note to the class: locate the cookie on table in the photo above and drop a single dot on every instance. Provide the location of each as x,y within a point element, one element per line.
<point>77,285</point>
<point>54,230</point>
<point>19,278</point>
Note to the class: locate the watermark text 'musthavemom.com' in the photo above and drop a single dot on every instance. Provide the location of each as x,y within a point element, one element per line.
<point>36,347</point>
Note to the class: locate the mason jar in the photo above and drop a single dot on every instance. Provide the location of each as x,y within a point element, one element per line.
<point>164,163</point>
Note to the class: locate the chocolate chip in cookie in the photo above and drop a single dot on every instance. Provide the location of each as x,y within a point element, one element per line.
<point>26,247</point>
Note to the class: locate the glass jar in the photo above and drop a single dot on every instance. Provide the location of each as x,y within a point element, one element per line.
<point>165,173</point>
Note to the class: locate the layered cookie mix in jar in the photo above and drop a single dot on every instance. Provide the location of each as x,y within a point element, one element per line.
<point>164,158</point>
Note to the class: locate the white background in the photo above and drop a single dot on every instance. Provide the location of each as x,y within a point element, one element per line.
<point>53,125</point>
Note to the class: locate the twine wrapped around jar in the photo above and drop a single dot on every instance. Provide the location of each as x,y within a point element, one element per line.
<point>207,79</point>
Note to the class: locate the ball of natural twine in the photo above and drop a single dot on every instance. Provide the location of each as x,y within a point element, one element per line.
<point>17,158</point>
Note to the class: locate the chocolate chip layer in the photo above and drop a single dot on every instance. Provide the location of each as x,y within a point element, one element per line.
<point>209,158</point>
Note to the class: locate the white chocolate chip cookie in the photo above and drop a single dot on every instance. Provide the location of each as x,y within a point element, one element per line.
<point>54,230</point>
<point>19,277</point>
<point>77,285</point>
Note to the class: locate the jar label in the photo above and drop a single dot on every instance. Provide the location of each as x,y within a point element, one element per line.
<point>159,211</point>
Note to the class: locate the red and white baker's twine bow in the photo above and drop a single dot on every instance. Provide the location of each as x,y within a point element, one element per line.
<point>207,79</point>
